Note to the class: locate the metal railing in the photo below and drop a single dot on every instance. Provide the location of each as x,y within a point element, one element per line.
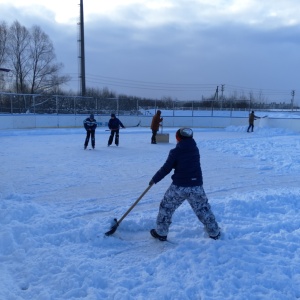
<point>12,103</point>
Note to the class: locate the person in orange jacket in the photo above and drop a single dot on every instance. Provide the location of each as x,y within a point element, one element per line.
<point>156,120</point>
<point>252,117</point>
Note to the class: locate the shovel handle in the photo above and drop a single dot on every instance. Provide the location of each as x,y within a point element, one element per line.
<point>135,203</point>
<point>114,227</point>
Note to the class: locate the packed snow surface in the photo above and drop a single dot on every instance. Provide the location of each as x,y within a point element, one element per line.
<point>57,201</point>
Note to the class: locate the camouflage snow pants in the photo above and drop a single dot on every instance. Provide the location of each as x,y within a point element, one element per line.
<point>174,197</point>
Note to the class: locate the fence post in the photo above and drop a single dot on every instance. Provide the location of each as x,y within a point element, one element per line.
<point>192,108</point>
<point>11,104</point>
<point>33,104</point>
<point>56,104</point>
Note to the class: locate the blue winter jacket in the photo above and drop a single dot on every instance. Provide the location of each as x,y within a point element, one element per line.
<point>115,124</point>
<point>185,160</point>
<point>90,124</point>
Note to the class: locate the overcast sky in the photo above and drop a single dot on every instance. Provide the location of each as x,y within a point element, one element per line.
<point>178,48</point>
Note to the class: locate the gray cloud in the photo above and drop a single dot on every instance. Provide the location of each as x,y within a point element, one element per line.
<point>152,54</point>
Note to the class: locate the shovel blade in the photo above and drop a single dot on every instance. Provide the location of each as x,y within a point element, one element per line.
<point>113,228</point>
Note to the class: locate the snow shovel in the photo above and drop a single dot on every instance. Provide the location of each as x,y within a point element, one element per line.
<point>114,227</point>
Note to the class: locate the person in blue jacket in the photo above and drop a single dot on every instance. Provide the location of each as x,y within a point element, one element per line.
<point>114,125</point>
<point>187,185</point>
<point>90,126</point>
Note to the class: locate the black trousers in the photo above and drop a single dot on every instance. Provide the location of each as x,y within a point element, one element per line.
<point>90,133</point>
<point>251,126</point>
<point>153,138</point>
<point>114,133</point>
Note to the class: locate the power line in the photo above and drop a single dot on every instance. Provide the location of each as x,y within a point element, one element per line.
<point>181,87</point>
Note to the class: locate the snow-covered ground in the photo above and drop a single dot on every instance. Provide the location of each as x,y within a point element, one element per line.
<point>57,201</point>
<point>277,114</point>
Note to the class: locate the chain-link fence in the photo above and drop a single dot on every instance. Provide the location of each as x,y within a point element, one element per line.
<point>46,104</point>
<point>11,103</point>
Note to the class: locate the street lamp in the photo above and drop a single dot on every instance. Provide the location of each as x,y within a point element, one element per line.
<point>4,70</point>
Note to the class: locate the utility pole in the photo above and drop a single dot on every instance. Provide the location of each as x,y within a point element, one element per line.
<point>217,93</point>
<point>216,97</point>
<point>81,51</point>
<point>222,90</point>
<point>293,95</point>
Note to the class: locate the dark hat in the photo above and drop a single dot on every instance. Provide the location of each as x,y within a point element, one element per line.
<point>92,116</point>
<point>184,133</point>
<point>113,115</point>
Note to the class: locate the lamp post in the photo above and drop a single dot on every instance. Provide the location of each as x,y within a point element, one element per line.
<point>4,70</point>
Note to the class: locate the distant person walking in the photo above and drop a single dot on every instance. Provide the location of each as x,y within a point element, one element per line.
<point>252,117</point>
<point>114,125</point>
<point>156,120</point>
<point>90,126</point>
<point>187,185</point>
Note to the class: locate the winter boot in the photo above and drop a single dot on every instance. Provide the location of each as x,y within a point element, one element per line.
<point>157,236</point>
<point>110,140</point>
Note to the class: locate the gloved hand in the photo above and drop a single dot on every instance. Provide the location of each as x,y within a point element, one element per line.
<point>151,182</point>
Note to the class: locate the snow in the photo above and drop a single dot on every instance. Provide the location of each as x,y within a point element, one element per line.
<point>277,114</point>
<point>57,201</point>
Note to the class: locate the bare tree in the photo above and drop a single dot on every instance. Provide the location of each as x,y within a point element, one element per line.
<point>18,52</point>
<point>3,53</point>
<point>3,43</point>
<point>44,76</point>
<point>33,60</point>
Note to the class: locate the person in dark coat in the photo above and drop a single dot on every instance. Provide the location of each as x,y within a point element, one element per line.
<point>114,125</point>
<point>90,126</point>
<point>156,120</point>
<point>187,184</point>
<point>252,117</point>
